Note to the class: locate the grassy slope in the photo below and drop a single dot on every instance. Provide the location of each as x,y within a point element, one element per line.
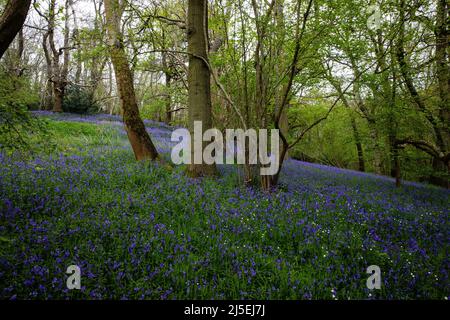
<point>141,231</point>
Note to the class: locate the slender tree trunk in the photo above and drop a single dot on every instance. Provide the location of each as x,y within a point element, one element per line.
<point>199,96</point>
<point>377,154</point>
<point>79,66</point>
<point>54,59</point>
<point>111,101</point>
<point>168,99</point>
<point>359,149</point>
<point>48,95</point>
<point>140,141</point>
<point>168,76</point>
<point>12,21</point>
<point>280,58</point>
<point>395,161</point>
<point>75,37</point>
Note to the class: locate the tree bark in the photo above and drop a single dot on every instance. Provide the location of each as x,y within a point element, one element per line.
<point>48,94</point>
<point>140,141</point>
<point>11,22</point>
<point>281,57</point>
<point>359,148</point>
<point>395,162</point>
<point>442,68</point>
<point>199,95</point>
<point>442,71</point>
<point>168,79</point>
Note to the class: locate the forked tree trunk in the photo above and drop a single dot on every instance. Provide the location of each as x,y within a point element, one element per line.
<point>140,141</point>
<point>12,21</point>
<point>199,98</point>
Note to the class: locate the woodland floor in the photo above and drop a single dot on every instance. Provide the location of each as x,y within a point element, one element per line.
<point>144,231</point>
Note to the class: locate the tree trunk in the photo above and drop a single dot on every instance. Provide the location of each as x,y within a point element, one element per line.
<point>269,182</point>
<point>20,50</point>
<point>280,57</point>
<point>442,71</point>
<point>58,97</point>
<point>359,149</point>
<point>168,99</point>
<point>48,95</point>
<point>442,68</point>
<point>377,153</point>
<point>60,78</point>
<point>395,160</point>
<point>75,36</point>
<point>168,76</point>
<point>140,141</point>
<point>199,96</point>
<point>12,21</point>
<point>397,168</point>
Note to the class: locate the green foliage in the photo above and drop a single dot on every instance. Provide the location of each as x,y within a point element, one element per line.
<point>79,100</point>
<point>16,122</point>
<point>155,110</point>
<point>331,142</point>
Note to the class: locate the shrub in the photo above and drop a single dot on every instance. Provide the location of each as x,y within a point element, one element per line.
<point>79,100</point>
<point>155,110</point>
<point>16,122</point>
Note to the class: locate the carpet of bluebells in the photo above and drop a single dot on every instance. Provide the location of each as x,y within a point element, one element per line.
<point>144,231</point>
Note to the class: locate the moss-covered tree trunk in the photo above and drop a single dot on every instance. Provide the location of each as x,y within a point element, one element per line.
<point>199,98</point>
<point>140,141</point>
<point>12,21</point>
